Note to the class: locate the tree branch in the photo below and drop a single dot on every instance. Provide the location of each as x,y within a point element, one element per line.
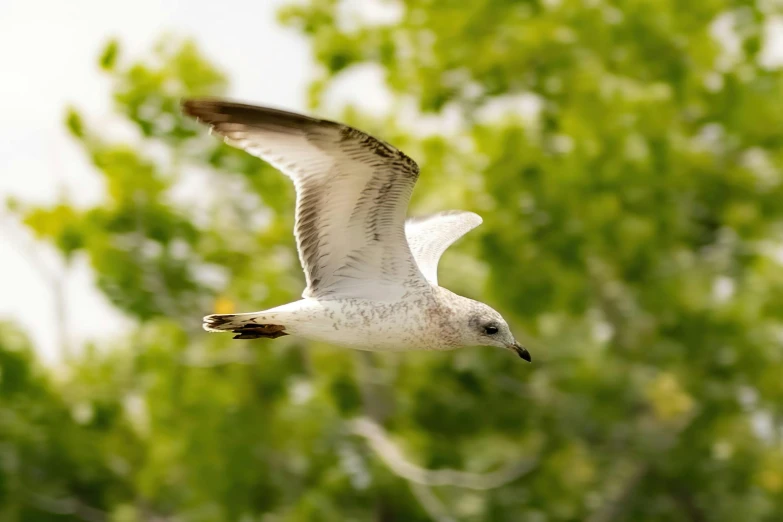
<point>373,389</point>
<point>76,508</point>
<point>52,278</point>
<point>430,503</point>
<point>392,456</point>
<point>615,506</point>
<point>66,506</point>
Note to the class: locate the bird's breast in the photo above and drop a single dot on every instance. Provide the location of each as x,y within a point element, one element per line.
<point>414,323</point>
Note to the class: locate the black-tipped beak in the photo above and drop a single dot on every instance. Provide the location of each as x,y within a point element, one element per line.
<point>521,351</point>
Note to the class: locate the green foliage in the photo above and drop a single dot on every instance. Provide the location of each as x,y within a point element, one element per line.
<point>74,123</point>
<point>632,232</point>
<point>57,450</point>
<point>109,56</point>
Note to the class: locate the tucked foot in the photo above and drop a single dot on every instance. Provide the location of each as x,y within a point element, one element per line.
<point>259,331</point>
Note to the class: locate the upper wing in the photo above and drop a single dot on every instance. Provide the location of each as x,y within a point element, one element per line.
<point>352,194</point>
<point>430,236</point>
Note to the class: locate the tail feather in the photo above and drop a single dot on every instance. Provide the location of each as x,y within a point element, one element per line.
<point>246,326</point>
<point>226,322</point>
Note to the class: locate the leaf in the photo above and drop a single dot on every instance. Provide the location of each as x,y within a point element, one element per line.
<point>73,121</point>
<point>109,55</point>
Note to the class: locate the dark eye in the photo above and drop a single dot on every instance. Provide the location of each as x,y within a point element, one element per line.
<point>490,329</point>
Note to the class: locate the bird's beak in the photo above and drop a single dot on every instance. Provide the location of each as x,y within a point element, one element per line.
<point>521,351</point>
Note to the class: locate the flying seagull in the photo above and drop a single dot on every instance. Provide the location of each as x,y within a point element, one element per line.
<point>371,275</point>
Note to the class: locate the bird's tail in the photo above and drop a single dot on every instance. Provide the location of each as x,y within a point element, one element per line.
<point>254,325</point>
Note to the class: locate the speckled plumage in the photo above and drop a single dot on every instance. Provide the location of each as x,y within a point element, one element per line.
<point>371,275</point>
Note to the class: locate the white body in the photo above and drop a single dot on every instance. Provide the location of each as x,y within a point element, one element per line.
<point>418,321</point>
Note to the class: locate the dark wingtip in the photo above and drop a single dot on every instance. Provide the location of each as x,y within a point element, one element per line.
<point>196,107</point>
<point>186,106</point>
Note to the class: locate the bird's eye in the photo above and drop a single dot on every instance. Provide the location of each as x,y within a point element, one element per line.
<point>491,329</point>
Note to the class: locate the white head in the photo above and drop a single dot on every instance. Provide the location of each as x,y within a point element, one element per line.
<point>483,326</point>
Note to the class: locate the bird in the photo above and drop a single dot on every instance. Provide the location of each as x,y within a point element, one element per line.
<point>371,274</point>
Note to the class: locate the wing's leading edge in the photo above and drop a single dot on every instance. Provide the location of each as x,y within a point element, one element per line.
<point>430,236</point>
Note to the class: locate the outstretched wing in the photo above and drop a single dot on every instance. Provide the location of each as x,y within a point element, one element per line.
<point>430,236</point>
<point>352,195</point>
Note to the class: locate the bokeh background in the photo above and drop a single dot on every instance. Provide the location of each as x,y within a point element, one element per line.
<point>626,157</point>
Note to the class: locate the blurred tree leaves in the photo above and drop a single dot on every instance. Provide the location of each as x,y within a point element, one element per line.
<point>109,56</point>
<point>625,158</point>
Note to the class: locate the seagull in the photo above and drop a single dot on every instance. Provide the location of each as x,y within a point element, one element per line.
<point>372,281</point>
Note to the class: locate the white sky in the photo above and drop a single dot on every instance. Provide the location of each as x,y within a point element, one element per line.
<point>48,56</point>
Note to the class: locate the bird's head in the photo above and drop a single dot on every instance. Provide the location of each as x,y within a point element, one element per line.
<point>486,327</point>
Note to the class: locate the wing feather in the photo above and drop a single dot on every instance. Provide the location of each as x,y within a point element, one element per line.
<point>352,196</point>
<point>430,236</point>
